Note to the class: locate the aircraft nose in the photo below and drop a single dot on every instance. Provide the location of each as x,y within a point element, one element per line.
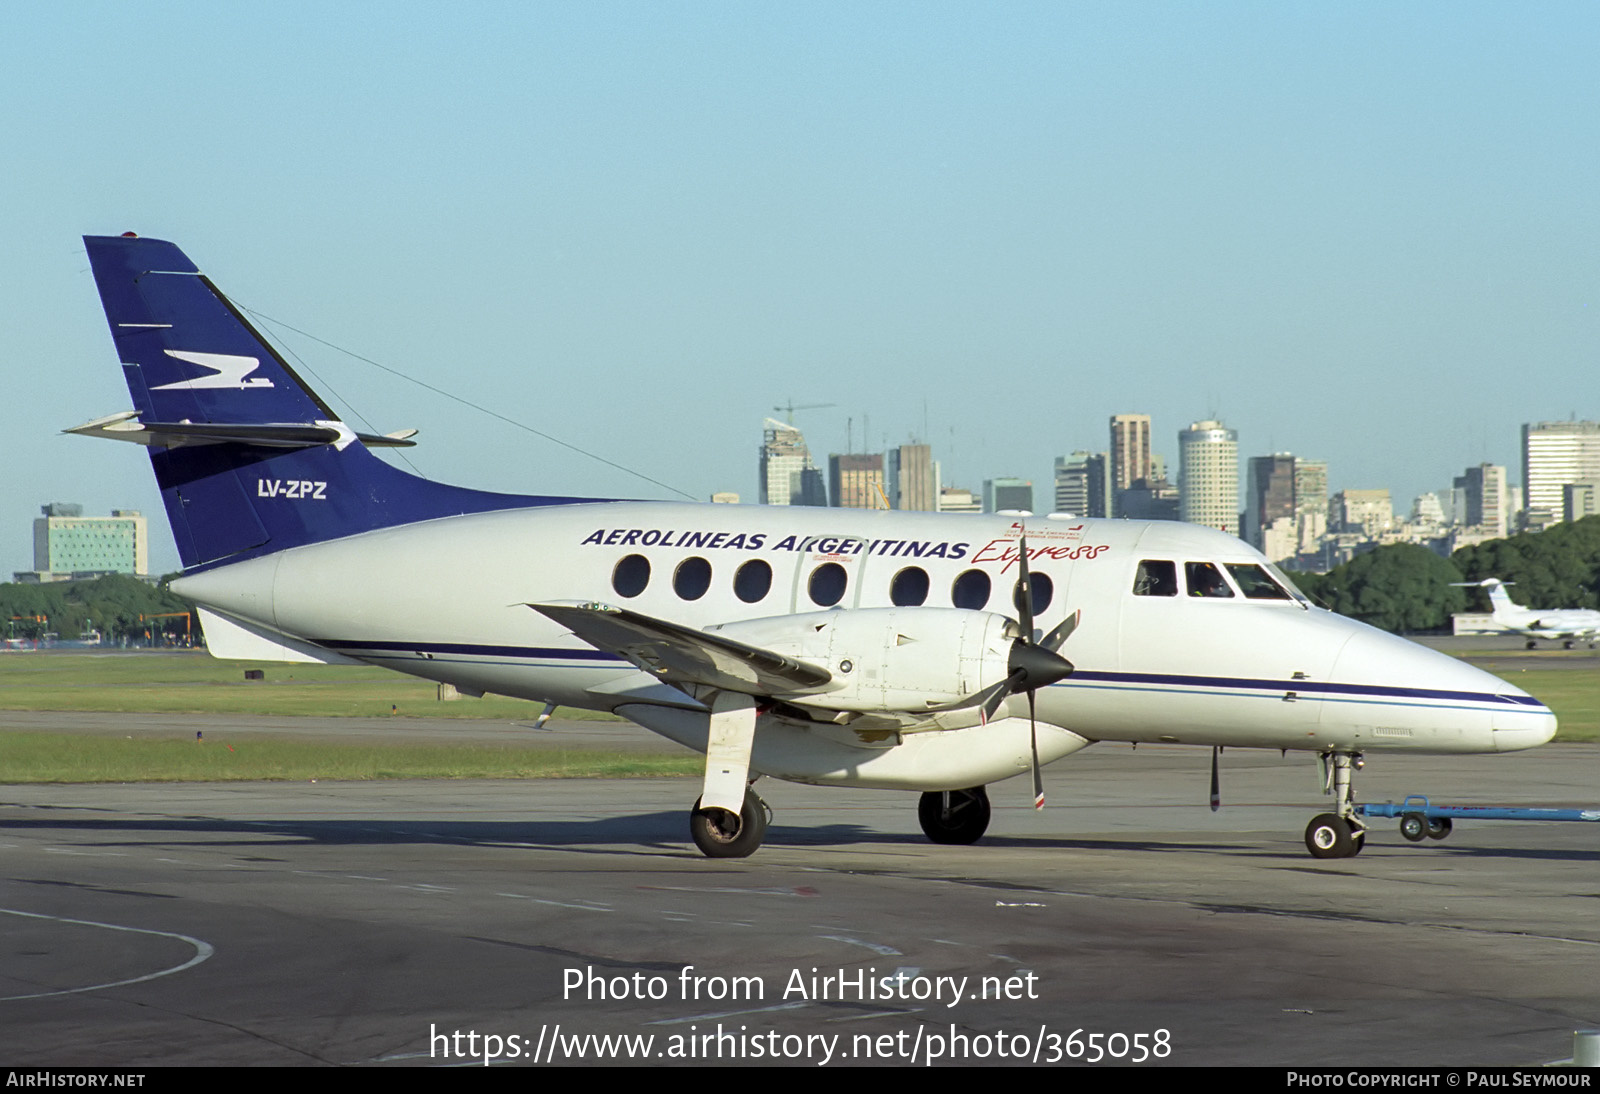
<point>1444,703</point>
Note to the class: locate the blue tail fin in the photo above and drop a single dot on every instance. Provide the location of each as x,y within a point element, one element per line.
<point>248,458</point>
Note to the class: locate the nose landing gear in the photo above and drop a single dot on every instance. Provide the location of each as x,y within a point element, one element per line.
<point>1340,834</point>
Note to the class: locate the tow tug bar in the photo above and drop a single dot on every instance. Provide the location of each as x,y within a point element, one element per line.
<point>1419,820</point>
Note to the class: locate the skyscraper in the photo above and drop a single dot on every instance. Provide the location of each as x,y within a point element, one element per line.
<point>1311,487</point>
<point>1130,453</point>
<point>913,478</point>
<point>1082,485</point>
<point>1269,494</point>
<point>1208,476</point>
<point>1000,495</point>
<point>1553,455</point>
<point>1484,492</point>
<point>788,477</point>
<point>855,480</point>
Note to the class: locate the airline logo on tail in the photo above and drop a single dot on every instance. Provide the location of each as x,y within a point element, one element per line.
<point>228,371</point>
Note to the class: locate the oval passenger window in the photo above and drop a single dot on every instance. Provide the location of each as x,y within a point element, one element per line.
<point>631,575</point>
<point>692,578</point>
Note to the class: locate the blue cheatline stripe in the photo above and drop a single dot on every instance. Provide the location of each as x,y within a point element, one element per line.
<point>1132,681</point>
<point>469,649</point>
<point>1252,694</point>
<point>1308,688</point>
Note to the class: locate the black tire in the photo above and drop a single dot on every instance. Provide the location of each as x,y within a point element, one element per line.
<point>720,834</point>
<point>1439,827</point>
<point>1329,836</point>
<point>1414,827</point>
<point>964,820</point>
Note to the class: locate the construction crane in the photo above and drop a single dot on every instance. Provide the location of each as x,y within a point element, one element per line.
<point>791,407</point>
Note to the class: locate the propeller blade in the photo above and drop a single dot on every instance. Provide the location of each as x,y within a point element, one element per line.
<point>1024,594</point>
<point>1001,692</point>
<point>989,698</point>
<point>1063,631</point>
<point>1033,740</point>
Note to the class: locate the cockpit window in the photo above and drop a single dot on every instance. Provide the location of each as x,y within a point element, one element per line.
<point>1256,583</point>
<point>1156,578</point>
<point>1285,582</point>
<point>1206,580</point>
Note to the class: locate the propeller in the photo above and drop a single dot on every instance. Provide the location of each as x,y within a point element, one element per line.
<point>1034,665</point>
<point>1030,666</point>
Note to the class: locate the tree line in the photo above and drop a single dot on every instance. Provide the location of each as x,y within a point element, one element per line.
<point>1404,587</point>
<point>118,606</point>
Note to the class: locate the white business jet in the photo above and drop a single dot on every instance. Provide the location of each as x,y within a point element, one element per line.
<point>904,651</point>
<point>1566,625</point>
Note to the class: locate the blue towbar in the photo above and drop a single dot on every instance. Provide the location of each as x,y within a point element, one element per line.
<point>1420,820</point>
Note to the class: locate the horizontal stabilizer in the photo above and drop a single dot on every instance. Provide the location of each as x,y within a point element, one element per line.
<point>127,426</point>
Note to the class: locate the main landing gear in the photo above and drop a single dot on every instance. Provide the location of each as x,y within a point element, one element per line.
<point>1339,834</point>
<point>954,816</point>
<point>720,833</point>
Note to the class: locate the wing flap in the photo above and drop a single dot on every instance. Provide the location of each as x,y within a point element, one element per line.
<point>680,655</point>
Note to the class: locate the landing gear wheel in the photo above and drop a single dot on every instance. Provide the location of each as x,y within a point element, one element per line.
<point>954,816</point>
<point>1439,828</point>
<point>720,834</point>
<point>1414,827</point>
<point>1329,836</point>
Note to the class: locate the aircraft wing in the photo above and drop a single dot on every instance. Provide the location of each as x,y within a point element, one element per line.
<point>681,655</point>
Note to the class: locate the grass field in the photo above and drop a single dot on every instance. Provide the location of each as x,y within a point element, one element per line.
<point>183,683</point>
<point>1574,694</point>
<point>196,683</point>
<point>80,758</point>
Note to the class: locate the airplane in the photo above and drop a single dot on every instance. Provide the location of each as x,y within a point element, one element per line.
<point>1569,625</point>
<point>924,652</point>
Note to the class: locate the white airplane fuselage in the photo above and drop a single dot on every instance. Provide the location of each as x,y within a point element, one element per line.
<point>448,600</point>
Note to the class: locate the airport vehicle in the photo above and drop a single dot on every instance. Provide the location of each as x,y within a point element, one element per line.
<point>1566,625</point>
<point>1420,819</point>
<point>897,650</point>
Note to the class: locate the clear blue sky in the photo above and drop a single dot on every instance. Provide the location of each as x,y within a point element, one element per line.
<point>1368,232</point>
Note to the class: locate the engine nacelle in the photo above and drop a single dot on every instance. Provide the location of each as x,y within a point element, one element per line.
<point>888,659</point>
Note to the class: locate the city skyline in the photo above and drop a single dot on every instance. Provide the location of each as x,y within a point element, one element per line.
<point>1335,228</point>
<point>1279,489</point>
